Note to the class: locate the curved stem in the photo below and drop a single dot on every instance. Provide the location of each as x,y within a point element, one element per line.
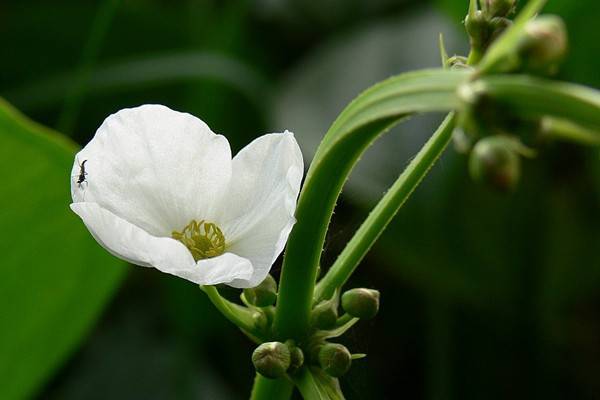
<point>554,128</point>
<point>236,314</point>
<point>385,210</point>
<point>366,118</point>
<point>271,389</point>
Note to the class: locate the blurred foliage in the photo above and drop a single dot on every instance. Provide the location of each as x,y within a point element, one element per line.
<point>483,296</point>
<point>55,279</point>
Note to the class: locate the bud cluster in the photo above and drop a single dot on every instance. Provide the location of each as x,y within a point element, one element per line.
<point>276,359</point>
<point>486,22</point>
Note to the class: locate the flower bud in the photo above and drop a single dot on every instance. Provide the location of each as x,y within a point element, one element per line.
<point>361,303</point>
<point>297,358</point>
<point>324,315</point>
<point>271,359</point>
<point>261,320</point>
<point>477,26</point>
<point>544,44</point>
<point>335,359</point>
<point>263,295</point>
<point>497,27</point>
<point>499,8</point>
<point>495,161</point>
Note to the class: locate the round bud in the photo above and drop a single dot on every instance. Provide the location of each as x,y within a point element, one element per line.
<point>477,26</point>
<point>499,8</point>
<point>297,359</point>
<point>263,295</point>
<point>324,315</point>
<point>498,25</point>
<point>544,44</point>
<point>361,303</point>
<point>271,359</point>
<point>335,359</point>
<point>495,161</point>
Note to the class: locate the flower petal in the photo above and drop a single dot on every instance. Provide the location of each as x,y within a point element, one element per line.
<point>258,211</point>
<point>137,246</point>
<point>129,242</point>
<point>155,167</point>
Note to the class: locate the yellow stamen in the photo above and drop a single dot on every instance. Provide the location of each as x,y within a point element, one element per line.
<point>203,239</point>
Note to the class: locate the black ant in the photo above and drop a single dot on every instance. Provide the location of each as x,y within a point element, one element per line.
<point>82,173</point>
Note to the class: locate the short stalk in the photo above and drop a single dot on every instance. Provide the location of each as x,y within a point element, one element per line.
<point>384,211</point>
<point>559,129</point>
<point>236,314</point>
<point>271,389</point>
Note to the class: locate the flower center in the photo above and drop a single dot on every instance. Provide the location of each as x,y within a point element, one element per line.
<point>203,239</point>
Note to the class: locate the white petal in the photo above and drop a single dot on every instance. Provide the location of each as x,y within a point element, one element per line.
<point>130,242</point>
<point>258,211</point>
<point>155,167</point>
<point>137,246</point>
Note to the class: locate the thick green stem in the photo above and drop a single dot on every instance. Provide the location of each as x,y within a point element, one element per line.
<point>385,210</point>
<point>271,389</point>
<point>367,117</point>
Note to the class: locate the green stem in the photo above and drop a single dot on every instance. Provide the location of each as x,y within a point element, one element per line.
<point>271,389</point>
<point>560,129</point>
<point>238,315</point>
<point>366,118</point>
<point>537,97</point>
<point>385,210</point>
<point>75,95</point>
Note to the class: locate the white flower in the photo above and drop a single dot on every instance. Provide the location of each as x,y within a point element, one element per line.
<point>157,178</point>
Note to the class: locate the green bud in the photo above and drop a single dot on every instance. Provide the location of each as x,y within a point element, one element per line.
<point>498,25</point>
<point>499,8</point>
<point>361,303</point>
<point>297,358</point>
<point>324,315</point>
<point>544,44</point>
<point>271,359</point>
<point>263,295</point>
<point>260,320</point>
<point>477,26</point>
<point>335,359</point>
<point>494,160</point>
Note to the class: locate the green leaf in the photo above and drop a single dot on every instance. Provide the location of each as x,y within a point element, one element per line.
<point>314,384</point>
<point>55,278</point>
<point>371,114</point>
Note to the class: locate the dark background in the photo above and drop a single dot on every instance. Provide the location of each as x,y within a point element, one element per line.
<point>484,296</point>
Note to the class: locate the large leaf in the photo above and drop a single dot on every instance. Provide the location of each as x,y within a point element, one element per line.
<point>54,278</point>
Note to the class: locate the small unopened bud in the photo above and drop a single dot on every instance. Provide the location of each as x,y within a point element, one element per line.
<point>494,160</point>
<point>361,303</point>
<point>499,8</point>
<point>477,26</point>
<point>544,44</point>
<point>325,315</point>
<point>261,321</point>
<point>335,359</point>
<point>297,358</point>
<point>498,25</point>
<point>271,359</point>
<point>263,295</point>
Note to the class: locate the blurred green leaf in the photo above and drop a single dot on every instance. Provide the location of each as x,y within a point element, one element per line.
<point>55,278</point>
